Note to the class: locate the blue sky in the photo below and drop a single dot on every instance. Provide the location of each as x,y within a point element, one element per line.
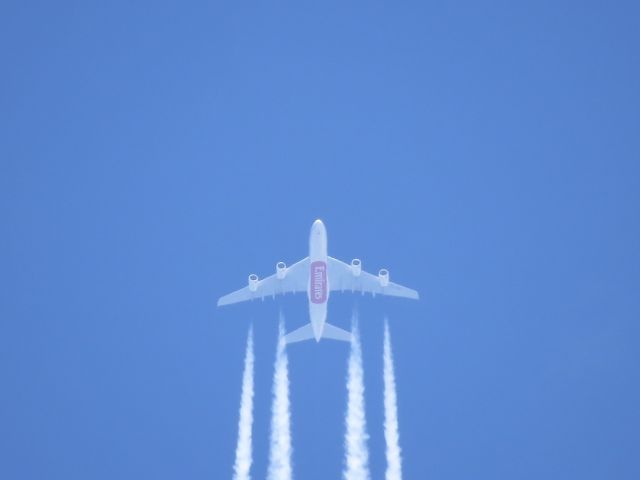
<point>152,154</point>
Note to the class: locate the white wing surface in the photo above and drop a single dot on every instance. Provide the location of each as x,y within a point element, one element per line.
<point>341,277</point>
<point>295,280</point>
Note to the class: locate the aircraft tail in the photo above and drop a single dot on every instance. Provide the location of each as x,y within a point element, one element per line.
<point>306,333</point>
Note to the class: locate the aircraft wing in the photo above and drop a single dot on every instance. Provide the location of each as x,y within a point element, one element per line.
<point>341,277</point>
<point>295,280</point>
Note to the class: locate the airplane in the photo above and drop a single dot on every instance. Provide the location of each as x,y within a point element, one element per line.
<point>317,275</point>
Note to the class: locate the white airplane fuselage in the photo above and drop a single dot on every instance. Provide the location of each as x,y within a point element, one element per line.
<point>316,274</point>
<point>318,289</point>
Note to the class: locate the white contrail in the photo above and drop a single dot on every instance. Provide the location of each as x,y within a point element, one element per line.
<point>391,435</point>
<point>357,454</point>
<point>242,466</point>
<point>280,451</point>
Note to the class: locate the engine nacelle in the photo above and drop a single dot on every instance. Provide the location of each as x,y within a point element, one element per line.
<point>253,282</point>
<point>281,270</point>
<point>383,276</point>
<point>356,267</point>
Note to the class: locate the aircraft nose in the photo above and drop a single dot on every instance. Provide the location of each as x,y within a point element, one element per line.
<point>317,229</point>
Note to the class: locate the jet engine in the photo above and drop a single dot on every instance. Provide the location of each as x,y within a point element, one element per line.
<point>281,270</point>
<point>383,276</point>
<point>356,267</point>
<point>253,282</point>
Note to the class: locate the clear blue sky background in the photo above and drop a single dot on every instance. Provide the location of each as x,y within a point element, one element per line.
<point>152,154</point>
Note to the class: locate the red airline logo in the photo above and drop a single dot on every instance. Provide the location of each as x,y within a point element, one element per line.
<point>318,282</point>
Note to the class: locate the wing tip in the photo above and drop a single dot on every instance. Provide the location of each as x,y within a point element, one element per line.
<point>222,301</point>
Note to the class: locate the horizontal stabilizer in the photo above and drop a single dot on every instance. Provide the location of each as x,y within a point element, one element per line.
<point>329,331</point>
<point>335,333</point>
<point>299,335</point>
